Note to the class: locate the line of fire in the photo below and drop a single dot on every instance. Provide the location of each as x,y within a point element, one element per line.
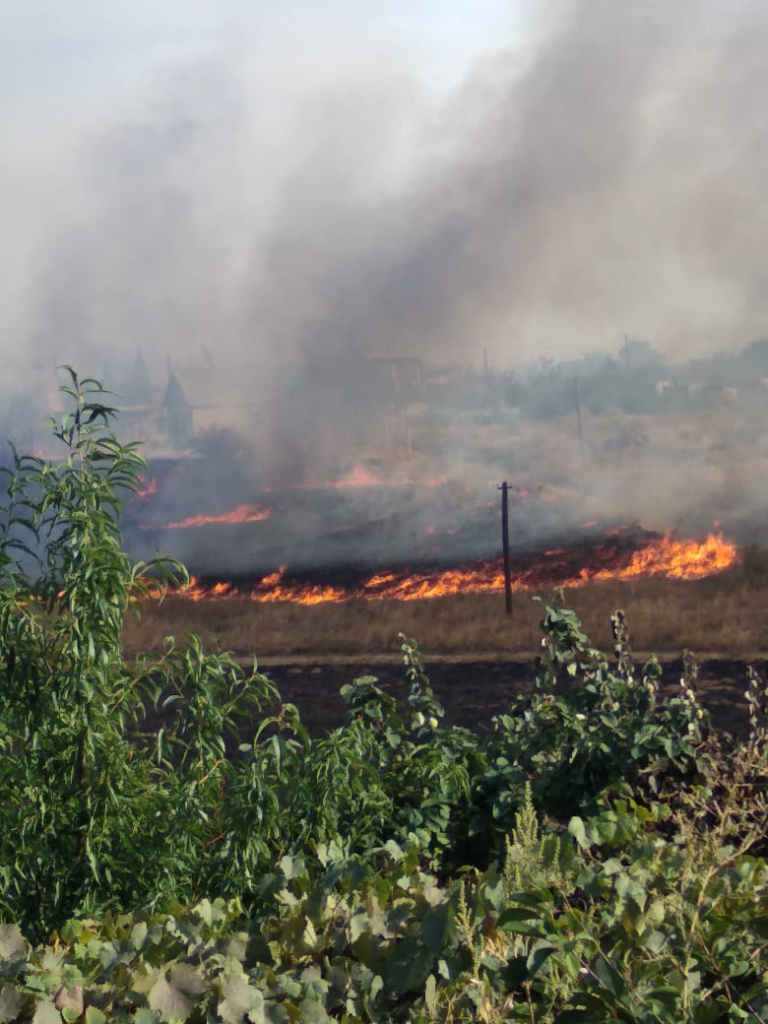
<point>358,478</point>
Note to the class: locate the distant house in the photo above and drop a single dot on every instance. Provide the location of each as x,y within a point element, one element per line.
<point>322,403</point>
<point>179,423</point>
<point>138,397</point>
<point>359,393</point>
<point>205,397</point>
<point>167,406</point>
<point>137,387</point>
<point>674,395</point>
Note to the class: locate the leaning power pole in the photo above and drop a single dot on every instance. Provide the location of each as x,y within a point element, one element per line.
<point>505,544</point>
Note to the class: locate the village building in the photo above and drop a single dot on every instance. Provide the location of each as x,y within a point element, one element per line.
<point>336,403</point>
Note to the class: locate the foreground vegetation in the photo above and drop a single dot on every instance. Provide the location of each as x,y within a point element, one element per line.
<point>599,855</point>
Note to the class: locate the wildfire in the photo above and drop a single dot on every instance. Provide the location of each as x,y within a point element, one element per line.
<point>241,514</point>
<point>270,590</point>
<point>680,560</point>
<point>360,476</point>
<point>273,588</point>
<point>664,557</point>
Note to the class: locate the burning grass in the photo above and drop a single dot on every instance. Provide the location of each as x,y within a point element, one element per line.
<point>611,558</point>
<point>244,513</point>
<point>718,615</point>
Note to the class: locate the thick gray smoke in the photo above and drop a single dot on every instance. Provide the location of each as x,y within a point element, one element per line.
<point>614,183</point>
<point>303,190</point>
<point>602,175</point>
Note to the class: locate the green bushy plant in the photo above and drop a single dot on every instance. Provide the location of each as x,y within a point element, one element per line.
<point>589,727</point>
<point>106,814</point>
<point>94,814</point>
<point>389,772</point>
<point>598,856</point>
<point>555,933</point>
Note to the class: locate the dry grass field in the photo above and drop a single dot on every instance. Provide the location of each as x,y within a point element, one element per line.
<point>722,616</point>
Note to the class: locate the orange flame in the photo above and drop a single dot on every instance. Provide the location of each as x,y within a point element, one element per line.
<point>273,589</point>
<point>679,560</point>
<point>241,514</point>
<point>361,476</point>
<point>664,557</point>
<point>358,476</point>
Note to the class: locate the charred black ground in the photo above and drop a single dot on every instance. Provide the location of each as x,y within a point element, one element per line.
<point>612,548</point>
<point>339,535</point>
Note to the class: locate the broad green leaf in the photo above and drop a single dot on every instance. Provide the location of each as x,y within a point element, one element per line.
<point>292,867</point>
<point>655,940</point>
<point>612,866</point>
<point>10,1004</point>
<point>175,993</point>
<point>408,966</point>
<point>610,977</point>
<point>13,949</point>
<point>313,1012</point>
<point>144,1015</point>
<point>577,829</point>
<point>139,934</point>
<point>538,958</point>
<point>240,1000</point>
<point>430,994</point>
<point>46,1013</point>
<point>434,927</point>
<point>518,921</point>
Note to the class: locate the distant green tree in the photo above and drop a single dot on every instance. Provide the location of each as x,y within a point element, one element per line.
<point>549,391</point>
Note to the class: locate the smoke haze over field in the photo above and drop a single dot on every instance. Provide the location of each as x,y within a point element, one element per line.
<point>335,178</point>
<point>249,188</point>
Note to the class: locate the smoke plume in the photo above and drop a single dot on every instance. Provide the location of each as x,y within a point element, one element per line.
<point>601,173</point>
<point>303,189</point>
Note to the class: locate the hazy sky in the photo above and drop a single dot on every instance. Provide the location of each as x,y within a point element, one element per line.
<point>57,55</point>
<point>430,177</point>
<point>73,76</point>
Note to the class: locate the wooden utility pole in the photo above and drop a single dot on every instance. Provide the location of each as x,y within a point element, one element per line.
<point>577,395</point>
<point>505,544</point>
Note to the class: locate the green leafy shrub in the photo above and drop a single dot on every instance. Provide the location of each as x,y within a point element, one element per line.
<point>589,728</point>
<point>666,931</point>
<point>598,856</point>
<point>94,813</point>
<point>106,814</point>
